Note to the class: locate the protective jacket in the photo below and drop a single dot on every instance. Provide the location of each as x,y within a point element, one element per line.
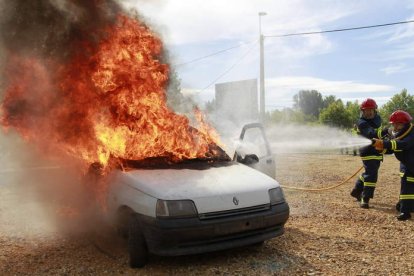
<point>403,147</point>
<point>370,128</point>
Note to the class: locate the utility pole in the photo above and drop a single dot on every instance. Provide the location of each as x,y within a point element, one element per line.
<point>262,86</point>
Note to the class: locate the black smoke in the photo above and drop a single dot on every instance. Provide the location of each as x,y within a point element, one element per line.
<point>47,28</point>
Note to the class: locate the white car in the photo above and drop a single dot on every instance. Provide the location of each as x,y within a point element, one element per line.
<point>198,206</point>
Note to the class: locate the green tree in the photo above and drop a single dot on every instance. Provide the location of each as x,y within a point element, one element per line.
<point>353,109</point>
<point>287,115</point>
<point>175,98</point>
<point>328,100</point>
<point>210,105</point>
<point>309,102</point>
<point>403,101</point>
<point>336,115</point>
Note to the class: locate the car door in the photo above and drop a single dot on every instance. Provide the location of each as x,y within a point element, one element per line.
<point>254,144</point>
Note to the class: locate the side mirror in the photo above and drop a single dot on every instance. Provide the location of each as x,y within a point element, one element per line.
<point>248,159</point>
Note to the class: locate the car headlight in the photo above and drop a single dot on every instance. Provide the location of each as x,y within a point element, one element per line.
<point>276,196</point>
<point>175,209</point>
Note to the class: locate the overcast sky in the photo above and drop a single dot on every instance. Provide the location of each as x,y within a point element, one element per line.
<point>352,65</point>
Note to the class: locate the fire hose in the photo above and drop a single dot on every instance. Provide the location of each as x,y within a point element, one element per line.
<point>325,188</point>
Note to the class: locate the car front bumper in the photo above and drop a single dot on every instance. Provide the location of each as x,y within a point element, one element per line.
<point>173,237</point>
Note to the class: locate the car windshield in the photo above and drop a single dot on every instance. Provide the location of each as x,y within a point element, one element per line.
<point>216,156</point>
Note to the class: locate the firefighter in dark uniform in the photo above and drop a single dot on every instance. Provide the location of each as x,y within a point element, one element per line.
<point>369,126</point>
<point>402,145</point>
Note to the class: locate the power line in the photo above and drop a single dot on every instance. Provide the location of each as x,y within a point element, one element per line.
<point>214,53</point>
<point>344,29</point>
<point>292,34</point>
<point>230,68</point>
<point>284,35</point>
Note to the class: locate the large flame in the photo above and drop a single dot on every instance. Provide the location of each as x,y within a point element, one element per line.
<point>107,99</point>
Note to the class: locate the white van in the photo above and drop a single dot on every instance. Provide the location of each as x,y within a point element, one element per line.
<point>198,206</point>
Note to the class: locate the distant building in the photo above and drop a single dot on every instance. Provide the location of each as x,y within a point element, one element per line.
<point>237,101</point>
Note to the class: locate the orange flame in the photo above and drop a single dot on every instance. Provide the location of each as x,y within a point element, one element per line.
<point>108,99</point>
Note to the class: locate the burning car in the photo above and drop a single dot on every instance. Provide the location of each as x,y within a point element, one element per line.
<point>95,92</point>
<point>198,205</point>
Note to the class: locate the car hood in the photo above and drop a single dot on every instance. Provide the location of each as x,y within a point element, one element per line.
<point>213,189</point>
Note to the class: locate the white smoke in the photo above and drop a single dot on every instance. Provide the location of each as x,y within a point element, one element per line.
<point>285,138</point>
<point>38,195</point>
<point>301,138</point>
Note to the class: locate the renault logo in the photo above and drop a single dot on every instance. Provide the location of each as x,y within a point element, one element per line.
<point>235,201</point>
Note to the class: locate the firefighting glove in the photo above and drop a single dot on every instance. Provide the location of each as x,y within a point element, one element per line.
<point>378,144</point>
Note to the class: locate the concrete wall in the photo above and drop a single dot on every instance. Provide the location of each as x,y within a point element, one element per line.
<point>237,101</point>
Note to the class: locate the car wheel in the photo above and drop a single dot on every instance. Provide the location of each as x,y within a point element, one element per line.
<point>258,244</point>
<point>137,247</point>
<point>122,221</point>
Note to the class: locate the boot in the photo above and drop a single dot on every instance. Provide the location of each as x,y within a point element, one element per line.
<point>404,216</point>
<point>356,193</point>
<point>398,206</point>
<point>364,203</point>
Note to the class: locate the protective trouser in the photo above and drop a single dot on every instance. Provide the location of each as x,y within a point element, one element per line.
<point>407,192</point>
<point>367,180</point>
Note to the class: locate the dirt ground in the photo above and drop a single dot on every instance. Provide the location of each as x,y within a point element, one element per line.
<point>327,233</point>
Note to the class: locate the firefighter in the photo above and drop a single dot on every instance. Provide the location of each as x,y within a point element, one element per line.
<point>368,126</point>
<point>402,145</point>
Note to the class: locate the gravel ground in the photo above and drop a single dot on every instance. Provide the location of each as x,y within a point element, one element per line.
<point>327,233</point>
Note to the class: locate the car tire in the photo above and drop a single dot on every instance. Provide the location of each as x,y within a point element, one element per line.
<point>122,222</point>
<point>258,244</point>
<point>137,247</point>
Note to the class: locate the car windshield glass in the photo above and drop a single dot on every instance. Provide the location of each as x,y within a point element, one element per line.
<point>216,156</point>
